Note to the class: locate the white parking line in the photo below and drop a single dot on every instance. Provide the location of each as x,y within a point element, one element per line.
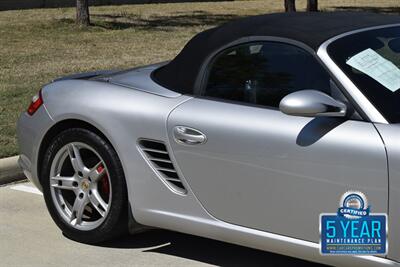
<point>26,188</point>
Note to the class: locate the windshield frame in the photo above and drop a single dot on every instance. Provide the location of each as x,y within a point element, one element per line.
<point>365,106</point>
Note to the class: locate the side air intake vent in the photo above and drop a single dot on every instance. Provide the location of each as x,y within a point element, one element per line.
<point>157,154</point>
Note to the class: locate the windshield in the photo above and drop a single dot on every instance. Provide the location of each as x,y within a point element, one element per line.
<point>371,59</point>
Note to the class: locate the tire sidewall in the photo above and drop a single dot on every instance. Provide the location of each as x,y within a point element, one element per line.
<point>111,226</point>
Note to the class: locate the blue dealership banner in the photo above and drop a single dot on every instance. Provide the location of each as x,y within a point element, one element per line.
<point>353,230</point>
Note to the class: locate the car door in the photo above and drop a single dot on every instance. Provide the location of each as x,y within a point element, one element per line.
<point>251,165</point>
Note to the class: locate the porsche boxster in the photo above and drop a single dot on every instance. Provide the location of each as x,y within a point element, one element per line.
<point>251,132</point>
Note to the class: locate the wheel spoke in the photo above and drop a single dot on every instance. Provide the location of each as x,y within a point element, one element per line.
<point>75,188</point>
<point>76,159</point>
<point>98,202</point>
<point>97,172</point>
<point>77,210</point>
<point>61,182</point>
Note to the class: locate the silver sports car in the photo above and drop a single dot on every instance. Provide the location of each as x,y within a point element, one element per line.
<point>250,133</point>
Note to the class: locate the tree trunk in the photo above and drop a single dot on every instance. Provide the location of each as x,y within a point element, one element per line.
<point>82,13</point>
<point>290,5</point>
<point>312,5</point>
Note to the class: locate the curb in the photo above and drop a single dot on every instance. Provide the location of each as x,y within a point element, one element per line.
<point>10,171</point>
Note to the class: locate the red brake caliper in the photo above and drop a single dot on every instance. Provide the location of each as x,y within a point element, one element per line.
<point>105,186</point>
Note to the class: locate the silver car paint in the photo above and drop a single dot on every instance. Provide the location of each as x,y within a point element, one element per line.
<point>312,103</point>
<point>140,79</point>
<point>259,165</point>
<point>124,115</point>
<point>30,132</point>
<point>390,135</point>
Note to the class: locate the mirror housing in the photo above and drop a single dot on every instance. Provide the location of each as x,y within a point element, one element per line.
<point>312,103</point>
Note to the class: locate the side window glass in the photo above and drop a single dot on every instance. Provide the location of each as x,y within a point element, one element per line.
<point>263,73</point>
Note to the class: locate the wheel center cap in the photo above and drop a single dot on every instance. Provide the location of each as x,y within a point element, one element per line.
<point>85,185</point>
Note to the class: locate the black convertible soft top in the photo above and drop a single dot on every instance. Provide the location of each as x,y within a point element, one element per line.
<point>311,29</point>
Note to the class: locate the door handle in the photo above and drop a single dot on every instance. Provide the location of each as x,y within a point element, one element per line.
<point>188,136</point>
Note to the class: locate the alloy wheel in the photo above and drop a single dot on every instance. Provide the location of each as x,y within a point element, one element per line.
<point>80,186</point>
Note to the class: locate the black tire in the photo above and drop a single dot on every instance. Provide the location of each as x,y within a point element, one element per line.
<point>116,221</point>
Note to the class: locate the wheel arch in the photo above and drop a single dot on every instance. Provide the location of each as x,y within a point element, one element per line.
<point>62,125</point>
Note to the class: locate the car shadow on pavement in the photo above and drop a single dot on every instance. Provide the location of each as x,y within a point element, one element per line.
<point>202,250</point>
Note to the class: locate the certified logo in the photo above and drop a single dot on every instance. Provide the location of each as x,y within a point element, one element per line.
<point>353,230</point>
<point>354,205</point>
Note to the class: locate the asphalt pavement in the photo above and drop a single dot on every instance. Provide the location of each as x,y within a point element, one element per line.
<point>28,237</point>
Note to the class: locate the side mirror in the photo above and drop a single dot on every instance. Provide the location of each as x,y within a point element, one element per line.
<point>312,103</point>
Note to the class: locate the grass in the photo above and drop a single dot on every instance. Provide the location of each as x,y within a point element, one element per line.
<point>39,45</point>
